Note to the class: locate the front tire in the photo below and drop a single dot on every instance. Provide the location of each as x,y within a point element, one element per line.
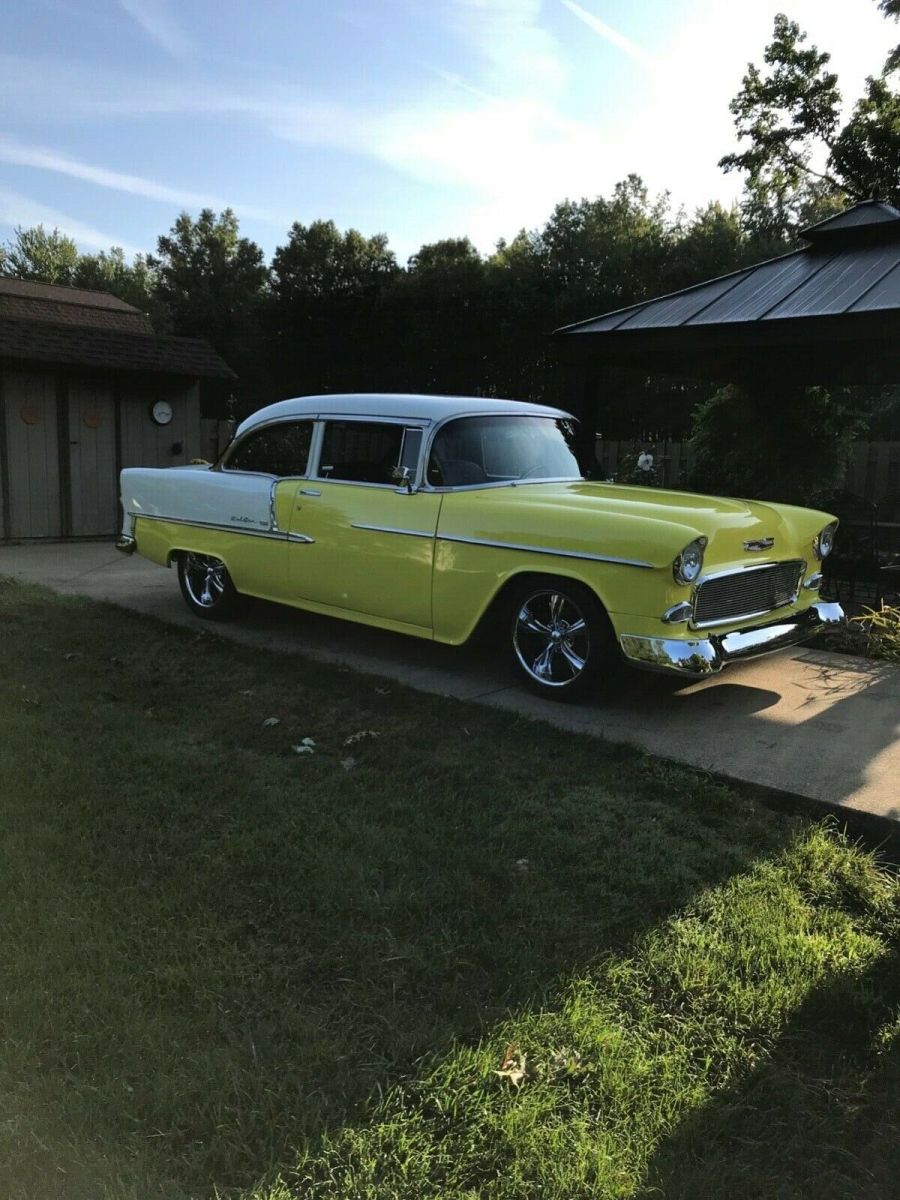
<point>207,587</point>
<point>560,640</point>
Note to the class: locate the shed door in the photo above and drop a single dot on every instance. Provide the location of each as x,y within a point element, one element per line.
<point>92,458</point>
<point>32,455</point>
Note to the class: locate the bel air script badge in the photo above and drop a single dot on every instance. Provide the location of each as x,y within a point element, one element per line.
<point>760,544</point>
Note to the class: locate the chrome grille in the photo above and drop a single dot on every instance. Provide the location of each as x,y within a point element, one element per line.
<point>747,593</point>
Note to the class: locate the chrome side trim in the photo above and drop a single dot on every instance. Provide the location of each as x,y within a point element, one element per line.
<point>698,658</point>
<point>264,533</point>
<point>606,558</point>
<point>421,533</point>
<point>302,538</point>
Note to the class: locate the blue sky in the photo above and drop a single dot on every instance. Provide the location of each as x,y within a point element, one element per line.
<point>419,118</point>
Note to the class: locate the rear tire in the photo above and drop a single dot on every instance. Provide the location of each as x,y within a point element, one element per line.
<point>560,641</point>
<point>207,587</point>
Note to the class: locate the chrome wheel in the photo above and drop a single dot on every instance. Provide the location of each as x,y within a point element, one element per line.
<point>205,579</point>
<point>552,639</point>
<point>206,586</point>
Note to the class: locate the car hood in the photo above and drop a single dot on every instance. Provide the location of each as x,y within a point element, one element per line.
<point>662,522</point>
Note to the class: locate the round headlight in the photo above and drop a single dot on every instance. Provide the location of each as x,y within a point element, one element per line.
<point>823,543</point>
<point>689,563</point>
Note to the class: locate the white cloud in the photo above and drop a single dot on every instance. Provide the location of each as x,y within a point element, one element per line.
<point>155,19</point>
<point>18,154</point>
<point>512,49</point>
<point>630,47</point>
<point>524,121</point>
<point>16,209</point>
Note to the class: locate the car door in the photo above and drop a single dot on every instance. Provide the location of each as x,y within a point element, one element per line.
<point>253,493</point>
<point>372,544</point>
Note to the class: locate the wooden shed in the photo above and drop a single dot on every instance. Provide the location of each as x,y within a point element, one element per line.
<point>86,388</point>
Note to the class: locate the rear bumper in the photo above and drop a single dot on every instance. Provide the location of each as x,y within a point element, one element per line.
<point>707,656</point>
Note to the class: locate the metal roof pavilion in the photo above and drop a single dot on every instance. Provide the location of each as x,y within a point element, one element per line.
<point>828,313</point>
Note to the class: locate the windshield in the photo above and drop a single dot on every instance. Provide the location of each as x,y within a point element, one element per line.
<point>473,450</point>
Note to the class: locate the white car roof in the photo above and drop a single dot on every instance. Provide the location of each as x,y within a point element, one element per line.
<point>405,406</point>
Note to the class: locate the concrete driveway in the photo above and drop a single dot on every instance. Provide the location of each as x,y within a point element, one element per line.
<point>823,726</point>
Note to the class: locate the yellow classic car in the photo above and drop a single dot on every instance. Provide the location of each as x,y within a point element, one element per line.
<point>431,515</point>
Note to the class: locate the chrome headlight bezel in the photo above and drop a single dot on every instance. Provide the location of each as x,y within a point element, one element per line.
<point>823,542</point>
<point>688,565</point>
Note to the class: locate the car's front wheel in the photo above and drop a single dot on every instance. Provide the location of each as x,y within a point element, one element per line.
<point>206,586</point>
<point>561,639</point>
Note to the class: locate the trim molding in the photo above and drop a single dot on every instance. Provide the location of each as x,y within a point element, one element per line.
<point>420,533</point>
<point>263,533</point>
<point>605,558</point>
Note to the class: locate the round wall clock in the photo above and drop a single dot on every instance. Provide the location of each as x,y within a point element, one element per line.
<point>161,412</point>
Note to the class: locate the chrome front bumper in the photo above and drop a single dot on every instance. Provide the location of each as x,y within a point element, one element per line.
<point>707,656</point>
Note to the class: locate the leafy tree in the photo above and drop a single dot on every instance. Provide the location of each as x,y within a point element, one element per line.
<point>772,441</point>
<point>327,326</point>
<point>320,262</point>
<point>211,282</point>
<point>801,161</point>
<point>135,283</point>
<point>40,255</point>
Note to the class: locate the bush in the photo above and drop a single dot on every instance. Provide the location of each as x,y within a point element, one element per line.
<point>875,633</point>
<point>771,442</point>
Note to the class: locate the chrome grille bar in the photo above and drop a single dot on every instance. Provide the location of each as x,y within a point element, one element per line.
<point>750,592</point>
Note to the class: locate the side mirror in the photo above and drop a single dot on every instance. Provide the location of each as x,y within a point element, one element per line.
<point>403,477</point>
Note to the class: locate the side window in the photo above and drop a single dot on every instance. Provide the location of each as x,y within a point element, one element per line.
<point>278,450</point>
<point>361,451</point>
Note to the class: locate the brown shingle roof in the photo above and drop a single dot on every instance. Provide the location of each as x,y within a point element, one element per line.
<point>108,349</point>
<point>62,293</point>
<point>26,301</point>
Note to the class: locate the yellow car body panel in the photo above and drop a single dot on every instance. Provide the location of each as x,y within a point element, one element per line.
<point>371,551</point>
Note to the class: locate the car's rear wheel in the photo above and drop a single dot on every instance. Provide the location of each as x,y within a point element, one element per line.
<point>560,638</point>
<point>206,586</point>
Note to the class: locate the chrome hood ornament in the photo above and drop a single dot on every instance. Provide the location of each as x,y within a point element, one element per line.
<point>765,543</point>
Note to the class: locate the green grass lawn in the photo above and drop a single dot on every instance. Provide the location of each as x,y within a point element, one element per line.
<point>233,969</point>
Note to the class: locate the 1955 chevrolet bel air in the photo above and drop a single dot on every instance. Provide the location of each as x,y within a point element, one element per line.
<point>431,515</point>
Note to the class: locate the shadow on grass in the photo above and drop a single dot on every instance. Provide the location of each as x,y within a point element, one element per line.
<point>223,946</point>
<point>819,1118</point>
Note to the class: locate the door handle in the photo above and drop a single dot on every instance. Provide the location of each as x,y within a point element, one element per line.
<point>310,492</point>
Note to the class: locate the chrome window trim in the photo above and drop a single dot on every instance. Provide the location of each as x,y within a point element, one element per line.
<point>437,426</point>
<point>799,563</point>
<point>580,554</point>
<point>322,420</point>
<point>502,483</point>
<point>221,465</point>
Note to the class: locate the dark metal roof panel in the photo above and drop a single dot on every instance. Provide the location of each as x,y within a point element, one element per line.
<point>867,212</point>
<point>760,288</point>
<point>884,294</point>
<point>841,282</point>
<point>680,307</point>
<point>608,321</point>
